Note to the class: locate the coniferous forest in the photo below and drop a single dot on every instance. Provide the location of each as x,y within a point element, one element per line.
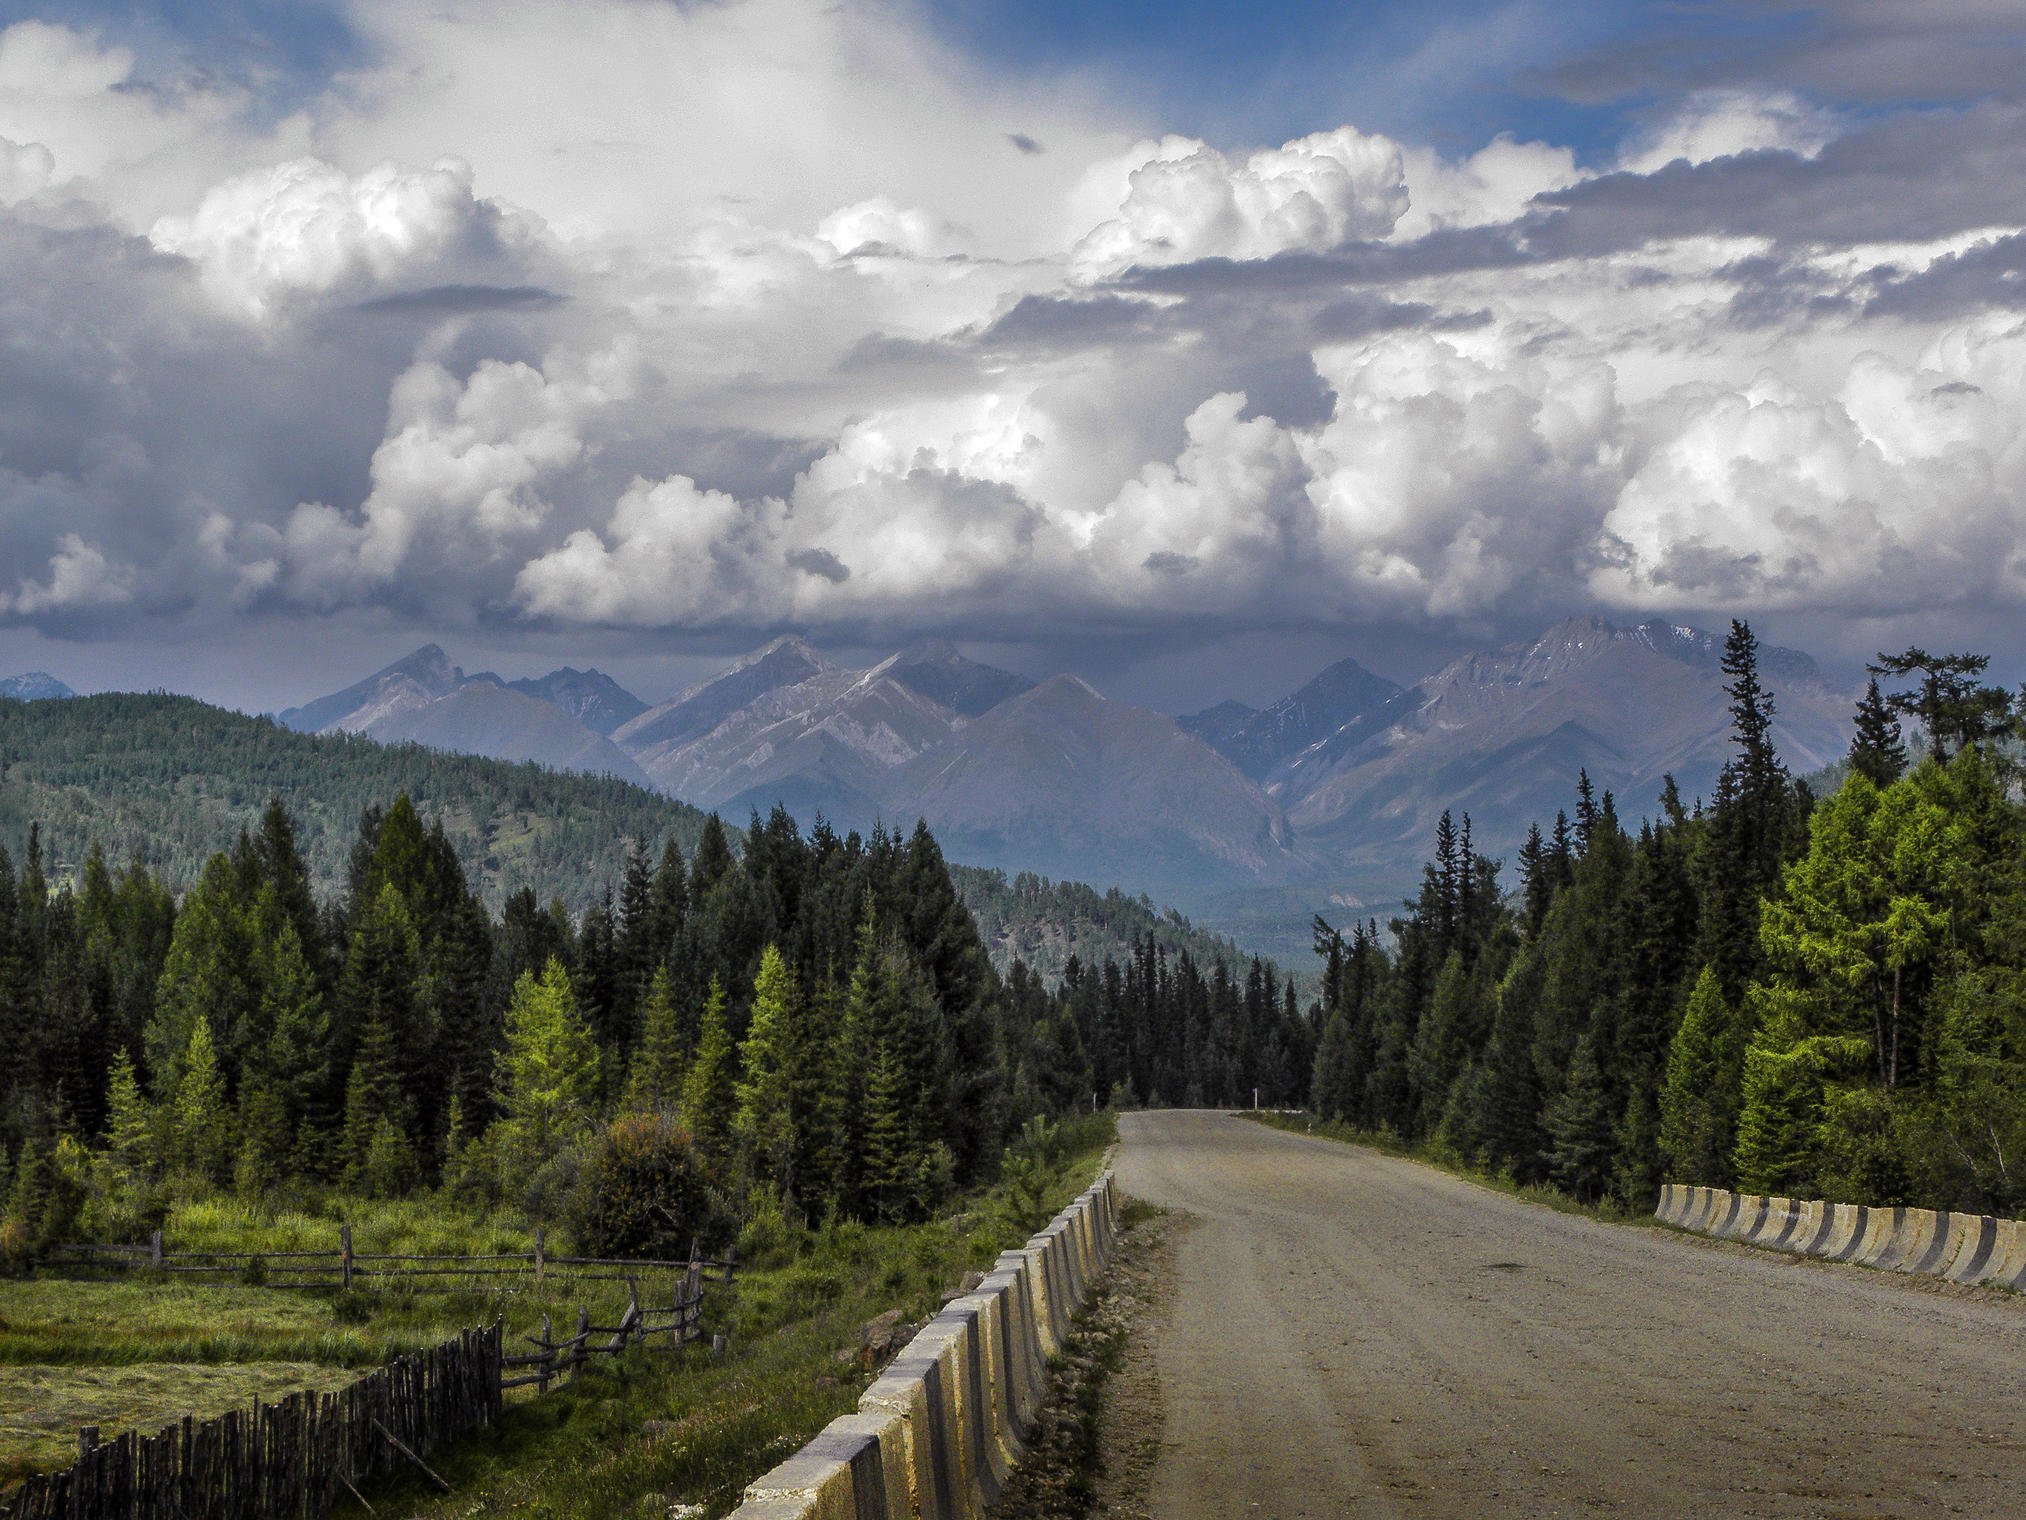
<point>1767,990</point>
<point>808,1025</point>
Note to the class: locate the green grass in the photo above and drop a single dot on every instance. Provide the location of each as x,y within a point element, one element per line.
<point>138,1319</point>
<point>403,1227</point>
<point>139,1350</point>
<point>1448,1161</point>
<point>638,1434</point>
<point>42,1408</point>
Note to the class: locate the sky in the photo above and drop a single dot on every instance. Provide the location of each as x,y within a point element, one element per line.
<point>1186,346</point>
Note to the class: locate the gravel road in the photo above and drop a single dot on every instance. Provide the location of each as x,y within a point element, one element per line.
<point>1353,1335</point>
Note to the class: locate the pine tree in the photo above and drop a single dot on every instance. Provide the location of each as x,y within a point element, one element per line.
<point>1579,1126</point>
<point>655,1080</point>
<point>1876,750</point>
<point>1780,1115</point>
<point>376,1107</point>
<point>1510,1127</point>
<point>130,1124</point>
<point>709,1088</point>
<point>763,1123</point>
<point>200,1126</point>
<point>889,1160</point>
<point>712,860</point>
<point>1699,1096</point>
<point>1952,704</point>
<point>548,1072</point>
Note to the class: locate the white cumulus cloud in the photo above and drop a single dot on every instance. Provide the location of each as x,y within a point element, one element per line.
<point>307,227</point>
<point>1712,124</point>
<point>79,578</point>
<point>1179,199</point>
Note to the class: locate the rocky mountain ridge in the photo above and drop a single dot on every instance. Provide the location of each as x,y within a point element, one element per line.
<point>1329,793</point>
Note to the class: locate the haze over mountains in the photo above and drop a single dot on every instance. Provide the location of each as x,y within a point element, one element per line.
<point>1327,795</point>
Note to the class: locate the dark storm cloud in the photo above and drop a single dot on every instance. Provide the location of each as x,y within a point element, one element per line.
<point>821,563</point>
<point>1056,323</point>
<point>1880,52</point>
<point>1922,175</point>
<point>461,300</point>
<point>1991,275</point>
<point>131,411</point>
<point>1451,251</point>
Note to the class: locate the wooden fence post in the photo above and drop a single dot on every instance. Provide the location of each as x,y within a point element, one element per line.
<point>548,1350</point>
<point>345,1255</point>
<point>541,1249</point>
<point>87,1440</point>
<point>155,1251</point>
<point>583,1339</point>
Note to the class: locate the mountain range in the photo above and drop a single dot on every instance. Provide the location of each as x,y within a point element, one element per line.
<point>1328,795</point>
<point>33,686</point>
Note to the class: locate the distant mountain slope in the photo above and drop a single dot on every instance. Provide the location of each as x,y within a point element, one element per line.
<point>1502,734</point>
<point>937,671</point>
<point>175,779</point>
<point>1045,922</point>
<point>424,699</point>
<point>1061,781</point>
<point>504,724</point>
<point>696,710</point>
<point>412,681</point>
<point>34,686</point>
<point>827,743</point>
<point>1257,742</point>
<point>593,698</point>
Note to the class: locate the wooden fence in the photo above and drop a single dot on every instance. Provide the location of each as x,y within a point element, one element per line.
<point>292,1460</point>
<point>553,1358</point>
<point>343,1266</point>
<point>296,1459</point>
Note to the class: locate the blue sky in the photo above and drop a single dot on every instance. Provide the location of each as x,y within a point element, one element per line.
<point>573,329</point>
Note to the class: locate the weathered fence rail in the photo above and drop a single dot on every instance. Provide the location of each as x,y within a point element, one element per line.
<point>291,1460</point>
<point>343,1265</point>
<point>297,1458</point>
<point>553,1358</point>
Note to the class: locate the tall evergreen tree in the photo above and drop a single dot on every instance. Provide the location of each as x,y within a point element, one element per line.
<point>1877,752</point>
<point>710,1086</point>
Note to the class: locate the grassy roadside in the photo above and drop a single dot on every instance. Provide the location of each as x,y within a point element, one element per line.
<point>1302,1123</point>
<point>656,1434</point>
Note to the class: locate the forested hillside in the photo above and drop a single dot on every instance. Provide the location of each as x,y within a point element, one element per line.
<point>1818,999</point>
<point>1045,923</point>
<point>174,778</point>
<point>808,1028</point>
<point>171,779</point>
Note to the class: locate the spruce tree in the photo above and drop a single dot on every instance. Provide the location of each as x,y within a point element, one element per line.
<point>763,1123</point>
<point>659,1065</point>
<point>548,1073</point>
<point>1510,1127</point>
<point>1697,1131</point>
<point>709,1088</point>
<point>1876,750</point>
<point>131,1132</point>
<point>200,1125</point>
<point>1579,1126</point>
<point>376,1107</point>
<point>1780,1115</point>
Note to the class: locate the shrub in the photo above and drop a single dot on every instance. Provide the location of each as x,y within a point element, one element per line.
<point>645,1190</point>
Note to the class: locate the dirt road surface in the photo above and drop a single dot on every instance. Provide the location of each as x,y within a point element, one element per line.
<point>1352,1335</point>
